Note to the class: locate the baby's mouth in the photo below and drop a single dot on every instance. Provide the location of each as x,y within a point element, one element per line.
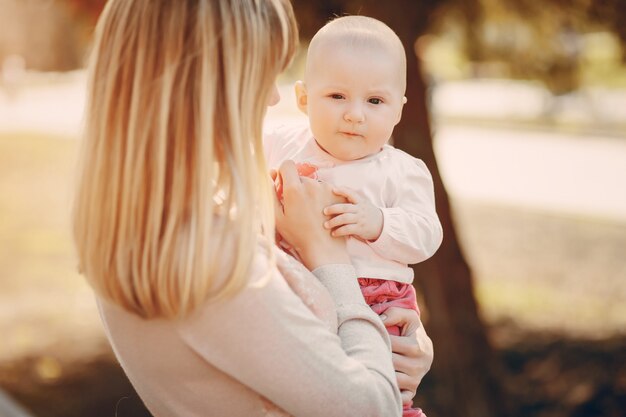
<point>351,134</point>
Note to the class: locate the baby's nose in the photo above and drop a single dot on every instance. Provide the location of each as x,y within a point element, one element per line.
<point>354,114</point>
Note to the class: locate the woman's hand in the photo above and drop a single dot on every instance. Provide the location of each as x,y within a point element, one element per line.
<point>300,219</point>
<point>412,353</point>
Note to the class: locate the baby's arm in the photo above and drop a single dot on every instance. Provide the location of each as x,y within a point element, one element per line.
<point>408,231</point>
<point>412,231</point>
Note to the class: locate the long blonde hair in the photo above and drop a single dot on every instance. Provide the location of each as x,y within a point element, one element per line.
<point>172,165</point>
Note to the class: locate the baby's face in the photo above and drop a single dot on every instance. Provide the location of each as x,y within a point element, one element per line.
<point>354,99</point>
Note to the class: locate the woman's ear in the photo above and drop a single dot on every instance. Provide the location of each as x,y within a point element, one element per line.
<point>301,96</point>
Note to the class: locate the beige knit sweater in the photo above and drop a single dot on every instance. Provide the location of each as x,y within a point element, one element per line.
<point>283,348</point>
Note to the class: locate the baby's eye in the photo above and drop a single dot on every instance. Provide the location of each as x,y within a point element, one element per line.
<point>336,96</point>
<point>375,100</point>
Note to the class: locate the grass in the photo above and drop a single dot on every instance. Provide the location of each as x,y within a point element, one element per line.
<point>35,186</point>
<point>44,303</point>
<point>546,271</point>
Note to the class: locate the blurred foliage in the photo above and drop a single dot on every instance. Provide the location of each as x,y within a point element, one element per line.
<point>553,40</point>
<point>39,32</point>
<point>48,35</point>
<point>548,41</point>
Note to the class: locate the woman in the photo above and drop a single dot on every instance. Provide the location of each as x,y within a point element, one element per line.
<point>174,215</point>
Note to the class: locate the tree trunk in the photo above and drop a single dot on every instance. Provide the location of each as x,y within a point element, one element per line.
<point>41,33</point>
<point>465,369</point>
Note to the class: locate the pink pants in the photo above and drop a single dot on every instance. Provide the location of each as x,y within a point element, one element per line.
<point>381,294</point>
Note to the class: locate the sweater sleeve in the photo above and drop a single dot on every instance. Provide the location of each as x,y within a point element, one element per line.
<point>267,339</point>
<point>411,231</point>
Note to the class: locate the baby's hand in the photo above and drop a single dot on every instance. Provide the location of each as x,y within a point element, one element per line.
<point>358,217</point>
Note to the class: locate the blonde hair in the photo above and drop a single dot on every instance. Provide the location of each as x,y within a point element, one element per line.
<point>172,166</point>
<point>357,32</point>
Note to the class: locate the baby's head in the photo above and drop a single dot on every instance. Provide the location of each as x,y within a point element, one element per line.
<point>353,88</point>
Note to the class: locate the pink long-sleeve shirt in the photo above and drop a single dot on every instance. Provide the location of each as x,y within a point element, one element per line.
<point>396,182</point>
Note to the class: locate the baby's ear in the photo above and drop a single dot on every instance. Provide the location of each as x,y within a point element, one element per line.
<point>301,96</point>
<point>399,116</point>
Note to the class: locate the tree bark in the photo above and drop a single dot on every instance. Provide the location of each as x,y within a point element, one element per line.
<point>465,369</point>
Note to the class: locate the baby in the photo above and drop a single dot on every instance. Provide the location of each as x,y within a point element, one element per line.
<point>353,94</point>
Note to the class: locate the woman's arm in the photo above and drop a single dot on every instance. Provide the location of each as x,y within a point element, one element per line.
<point>267,339</point>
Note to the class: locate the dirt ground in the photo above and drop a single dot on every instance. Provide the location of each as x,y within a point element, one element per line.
<point>545,375</point>
<point>551,290</point>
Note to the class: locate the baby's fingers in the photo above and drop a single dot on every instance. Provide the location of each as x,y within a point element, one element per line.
<point>340,220</point>
<point>407,397</point>
<point>339,209</point>
<point>346,230</point>
<point>352,196</point>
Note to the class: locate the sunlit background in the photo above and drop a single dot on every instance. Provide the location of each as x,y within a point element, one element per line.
<point>533,159</point>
